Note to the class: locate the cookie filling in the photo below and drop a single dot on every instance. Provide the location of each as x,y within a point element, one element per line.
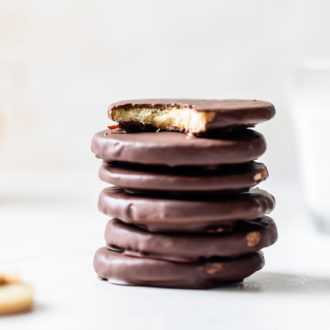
<point>172,118</point>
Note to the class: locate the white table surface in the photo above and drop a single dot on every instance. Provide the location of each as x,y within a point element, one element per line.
<point>50,229</point>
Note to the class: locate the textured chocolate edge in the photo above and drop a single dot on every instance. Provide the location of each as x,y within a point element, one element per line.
<point>124,270</point>
<point>246,237</point>
<point>245,146</point>
<point>186,213</point>
<point>225,179</point>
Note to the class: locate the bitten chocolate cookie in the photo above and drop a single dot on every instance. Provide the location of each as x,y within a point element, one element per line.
<point>193,116</point>
<point>137,177</point>
<point>247,237</point>
<point>189,213</point>
<point>120,269</point>
<point>176,149</point>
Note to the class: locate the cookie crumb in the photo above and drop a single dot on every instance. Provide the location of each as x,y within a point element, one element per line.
<point>253,238</point>
<point>258,177</point>
<point>213,268</point>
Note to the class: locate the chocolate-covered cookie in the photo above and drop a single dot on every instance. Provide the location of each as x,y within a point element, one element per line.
<point>120,269</point>
<point>137,177</point>
<point>189,115</point>
<point>176,149</point>
<point>247,237</point>
<point>185,213</point>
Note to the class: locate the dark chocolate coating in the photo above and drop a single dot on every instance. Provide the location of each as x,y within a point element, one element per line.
<point>185,213</point>
<point>228,113</point>
<point>120,269</point>
<point>247,237</point>
<point>188,179</point>
<point>175,149</point>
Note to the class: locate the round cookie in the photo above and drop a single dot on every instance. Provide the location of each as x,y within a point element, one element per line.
<point>247,237</point>
<point>15,297</point>
<point>120,269</point>
<point>136,177</point>
<point>177,149</point>
<point>190,115</point>
<point>185,213</point>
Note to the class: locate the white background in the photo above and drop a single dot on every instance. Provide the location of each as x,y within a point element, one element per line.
<point>61,64</point>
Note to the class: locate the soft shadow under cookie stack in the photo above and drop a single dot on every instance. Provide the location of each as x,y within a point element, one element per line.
<point>184,209</point>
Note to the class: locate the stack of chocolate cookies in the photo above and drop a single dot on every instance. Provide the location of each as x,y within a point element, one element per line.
<point>184,210</point>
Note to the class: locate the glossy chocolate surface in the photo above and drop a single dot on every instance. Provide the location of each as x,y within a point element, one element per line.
<point>137,177</point>
<point>177,149</point>
<point>184,213</point>
<point>120,269</point>
<point>246,237</point>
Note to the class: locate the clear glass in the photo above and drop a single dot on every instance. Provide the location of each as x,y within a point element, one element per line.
<point>310,105</point>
